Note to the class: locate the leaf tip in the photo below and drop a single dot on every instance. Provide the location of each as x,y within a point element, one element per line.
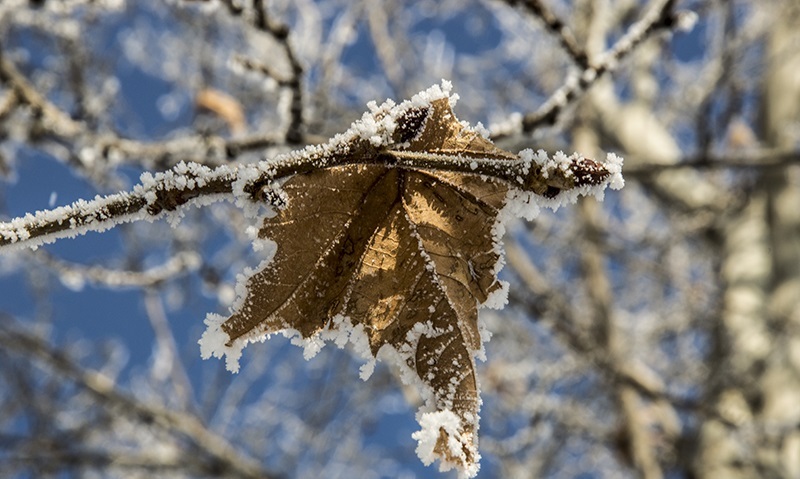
<point>216,342</point>
<point>497,298</point>
<point>444,437</point>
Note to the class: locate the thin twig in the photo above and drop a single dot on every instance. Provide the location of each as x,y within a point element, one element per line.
<point>52,117</point>
<point>544,298</point>
<point>157,155</point>
<point>280,32</point>
<point>385,46</point>
<point>165,341</point>
<point>264,69</point>
<point>94,382</point>
<point>659,17</point>
<point>145,202</point>
<point>759,160</point>
<point>190,182</point>
<point>557,27</point>
<point>182,263</point>
<point>639,444</point>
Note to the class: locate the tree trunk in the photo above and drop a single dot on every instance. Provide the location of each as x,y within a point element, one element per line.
<point>756,375</point>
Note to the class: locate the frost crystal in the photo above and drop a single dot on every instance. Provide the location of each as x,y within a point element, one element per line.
<point>445,423</point>
<point>214,343</point>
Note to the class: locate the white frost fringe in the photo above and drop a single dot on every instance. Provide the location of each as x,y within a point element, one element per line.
<point>434,422</point>
<point>377,129</point>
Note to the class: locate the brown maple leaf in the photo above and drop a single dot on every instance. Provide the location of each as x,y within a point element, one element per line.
<point>394,258</point>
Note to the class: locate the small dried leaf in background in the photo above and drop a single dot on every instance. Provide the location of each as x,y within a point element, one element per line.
<point>224,106</point>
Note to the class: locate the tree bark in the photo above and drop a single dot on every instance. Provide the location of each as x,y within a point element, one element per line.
<point>756,392</point>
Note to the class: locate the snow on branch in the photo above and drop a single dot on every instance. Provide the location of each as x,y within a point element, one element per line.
<point>378,137</point>
<point>280,32</point>
<point>149,200</point>
<point>415,173</point>
<point>75,276</point>
<point>660,16</point>
<point>53,118</point>
<point>557,27</point>
<point>92,146</point>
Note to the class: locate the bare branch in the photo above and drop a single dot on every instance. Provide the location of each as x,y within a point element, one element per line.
<point>73,273</point>
<point>253,65</point>
<point>557,27</point>
<point>545,297</point>
<point>53,118</point>
<point>213,150</point>
<point>378,21</point>
<point>280,32</point>
<point>101,387</point>
<point>766,159</point>
<point>660,16</point>
<point>191,182</point>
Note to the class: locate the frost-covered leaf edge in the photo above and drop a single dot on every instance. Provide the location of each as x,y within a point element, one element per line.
<point>214,341</point>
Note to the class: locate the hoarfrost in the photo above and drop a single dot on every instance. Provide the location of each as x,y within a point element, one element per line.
<point>214,343</point>
<point>498,298</point>
<point>376,127</point>
<point>434,425</point>
<point>527,205</point>
<point>440,424</point>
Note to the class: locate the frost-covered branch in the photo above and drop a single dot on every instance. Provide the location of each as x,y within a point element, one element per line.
<point>52,118</point>
<point>660,16</point>
<point>192,183</point>
<point>76,275</point>
<point>148,200</point>
<point>92,145</point>
<point>221,452</point>
<point>381,137</point>
<point>280,32</point>
<point>557,27</point>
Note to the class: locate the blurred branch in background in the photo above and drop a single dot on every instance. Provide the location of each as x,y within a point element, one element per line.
<point>213,454</point>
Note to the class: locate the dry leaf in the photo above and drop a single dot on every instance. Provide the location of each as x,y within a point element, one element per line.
<point>396,260</point>
<point>407,254</point>
<point>225,106</point>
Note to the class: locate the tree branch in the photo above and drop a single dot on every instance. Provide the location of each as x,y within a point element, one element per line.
<point>181,263</point>
<point>99,386</point>
<point>557,27</point>
<point>154,155</point>
<point>761,160</point>
<point>660,16</point>
<point>383,137</point>
<point>190,182</point>
<point>147,201</point>
<point>52,118</point>
<point>280,32</point>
